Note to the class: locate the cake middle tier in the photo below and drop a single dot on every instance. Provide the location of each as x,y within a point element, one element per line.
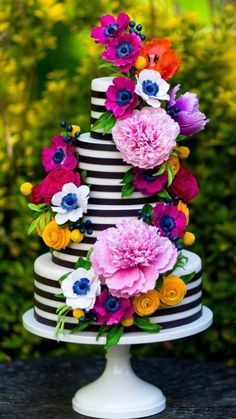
<point>104,169</point>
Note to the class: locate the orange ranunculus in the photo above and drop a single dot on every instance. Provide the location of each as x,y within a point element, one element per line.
<point>55,237</point>
<point>38,228</point>
<point>147,303</point>
<point>183,207</point>
<point>172,291</point>
<point>173,162</point>
<point>160,57</point>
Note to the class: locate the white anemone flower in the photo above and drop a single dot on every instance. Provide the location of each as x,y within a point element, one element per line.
<point>81,288</point>
<point>70,203</point>
<point>152,88</point>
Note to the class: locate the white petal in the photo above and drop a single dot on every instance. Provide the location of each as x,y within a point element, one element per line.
<point>153,102</point>
<point>152,75</point>
<point>67,287</point>
<point>57,197</point>
<point>69,188</point>
<point>61,218</point>
<point>75,215</point>
<point>59,209</point>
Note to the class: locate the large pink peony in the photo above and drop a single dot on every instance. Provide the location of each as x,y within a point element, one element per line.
<point>130,257</point>
<point>54,181</point>
<point>146,138</point>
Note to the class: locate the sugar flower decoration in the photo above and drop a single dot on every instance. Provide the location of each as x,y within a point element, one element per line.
<point>185,111</point>
<point>123,51</point>
<point>81,288</point>
<point>121,98</point>
<point>130,257</point>
<point>169,220</point>
<point>160,57</point>
<point>54,181</point>
<point>70,203</point>
<point>146,138</point>
<point>152,88</point>
<point>110,28</point>
<point>55,237</point>
<point>148,184</point>
<point>111,310</point>
<point>61,154</point>
<point>184,185</point>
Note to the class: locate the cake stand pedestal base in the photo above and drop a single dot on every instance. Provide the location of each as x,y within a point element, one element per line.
<point>119,393</point>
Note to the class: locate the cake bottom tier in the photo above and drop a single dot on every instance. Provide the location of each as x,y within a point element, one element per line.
<point>47,286</point>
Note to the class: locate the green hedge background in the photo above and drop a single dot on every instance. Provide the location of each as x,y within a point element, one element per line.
<point>47,61</point>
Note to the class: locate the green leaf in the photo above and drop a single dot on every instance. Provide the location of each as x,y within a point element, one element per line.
<point>103,329</point>
<point>105,65</point>
<point>89,254</point>
<point>33,225</point>
<point>109,125</point>
<point>48,216</point>
<point>161,170</point>
<point>127,190</point>
<point>187,278</point>
<point>128,177</point>
<point>42,221</point>
<point>59,296</point>
<point>163,194</point>
<point>81,326</point>
<point>102,120</point>
<point>62,309</point>
<point>83,263</point>
<point>145,324</point>
<point>181,138</point>
<point>83,175</point>
<point>64,276</point>
<point>159,283</point>
<point>114,336</point>
<point>37,208</point>
<point>171,175</point>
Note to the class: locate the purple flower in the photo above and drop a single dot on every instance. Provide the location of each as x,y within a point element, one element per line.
<point>185,111</point>
<point>147,183</point>
<point>110,28</point>
<point>61,154</point>
<point>111,310</point>
<point>170,221</point>
<point>121,99</point>
<point>123,51</point>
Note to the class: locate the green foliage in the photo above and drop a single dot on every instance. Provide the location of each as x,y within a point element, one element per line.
<point>47,62</point>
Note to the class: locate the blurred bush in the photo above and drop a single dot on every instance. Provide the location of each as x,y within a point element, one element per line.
<point>47,61</point>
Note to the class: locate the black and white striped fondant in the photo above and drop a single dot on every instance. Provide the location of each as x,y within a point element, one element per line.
<point>105,169</point>
<point>46,285</point>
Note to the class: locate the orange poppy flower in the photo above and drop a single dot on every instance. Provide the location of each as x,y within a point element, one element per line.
<point>160,57</point>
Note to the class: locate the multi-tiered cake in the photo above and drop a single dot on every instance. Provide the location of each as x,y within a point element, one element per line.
<point>113,205</point>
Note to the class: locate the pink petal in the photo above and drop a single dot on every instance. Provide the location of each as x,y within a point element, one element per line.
<point>107,20</point>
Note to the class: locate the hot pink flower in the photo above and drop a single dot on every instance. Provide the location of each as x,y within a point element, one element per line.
<point>121,99</point>
<point>184,185</point>
<point>146,138</point>
<point>130,257</point>
<point>111,310</point>
<point>54,181</point>
<point>123,51</point>
<point>110,28</point>
<point>61,154</point>
<point>169,220</point>
<point>146,183</point>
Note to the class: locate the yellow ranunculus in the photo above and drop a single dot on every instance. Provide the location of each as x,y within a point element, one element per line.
<point>183,207</point>
<point>183,152</point>
<point>173,162</point>
<point>173,290</point>
<point>78,313</point>
<point>147,303</point>
<point>188,239</point>
<point>140,63</point>
<point>76,236</point>
<point>127,322</point>
<point>26,188</point>
<point>55,237</point>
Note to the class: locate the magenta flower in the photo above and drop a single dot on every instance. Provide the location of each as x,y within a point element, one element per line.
<point>121,99</point>
<point>148,184</point>
<point>185,111</point>
<point>146,138</point>
<point>54,182</point>
<point>111,310</point>
<point>61,154</point>
<point>110,28</point>
<point>169,220</point>
<point>123,51</point>
<point>130,257</point>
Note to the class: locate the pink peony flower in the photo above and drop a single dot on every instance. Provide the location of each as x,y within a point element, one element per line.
<point>146,183</point>
<point>61,154</point>
<point>111,310</point>
<point>146,138</point>
<point>123,51</point>
<point>130,257</point>
<point>54,181</point>
<point>169,220</point>
<point>110,28</point>
<point>35,196</point>
<point>184,185</point>
<point>121,99</point>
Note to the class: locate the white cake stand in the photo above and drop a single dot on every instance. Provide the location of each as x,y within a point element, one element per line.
<point>119,393</point>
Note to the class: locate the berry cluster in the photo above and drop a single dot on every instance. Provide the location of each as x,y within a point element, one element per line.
<point>136,29</point>
<point>82,227</point>
<point>72,132</point>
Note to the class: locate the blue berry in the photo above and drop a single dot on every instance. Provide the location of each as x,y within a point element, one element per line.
<point>82,319</point>
<point>88,222</point>
<point>94,318</point>
<point>77,134</point>
<point>174,238</point>
<point>132,31</point>
<point>67,139</point>
<point>132,24</point>
<point>167,200</point>
<point>71,227</point>
<point>90,231</point>
<point>69,128</point>
<point>179,246</point>
<point>176,197</point>
<point>63,123</point>
<point>149,215</point>
<point>139,212</point>
<point>168,234</point>
<point>143,37</point>
<point>82,229</point>
<point>139,27</point>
